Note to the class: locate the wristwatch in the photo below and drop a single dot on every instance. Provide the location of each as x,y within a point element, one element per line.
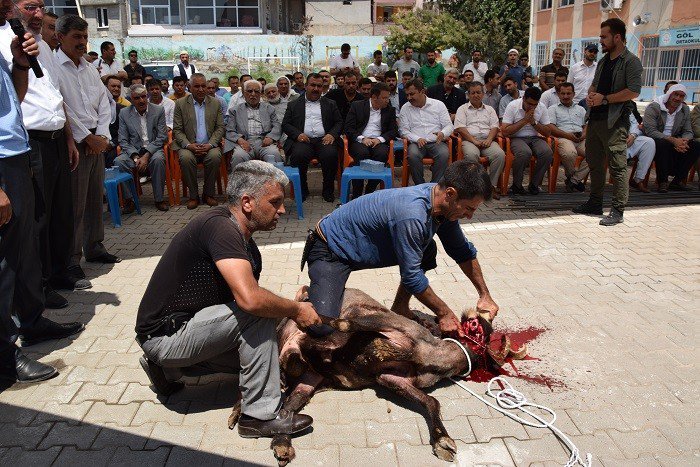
<point>605,100</point>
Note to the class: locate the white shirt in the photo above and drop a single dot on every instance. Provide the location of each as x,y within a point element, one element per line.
<point>670,118</point>
<point>373,129</point>
<point>188,70</point>
<point>169,108</point>
<point>478,71</point>
<point>85,97</point>
<point>565,118</point>
<point>6,36</point>
<point>550,98</point>
<point>105,69</point>
<point>478,122</point>
<point>424,122</point>
<point>515,112</point>
<point>581,76</point>
<point>340,62</point>
<point>373,69</point>
<point>313,123</point>
<point>143,119</point>
<point>235,100</point>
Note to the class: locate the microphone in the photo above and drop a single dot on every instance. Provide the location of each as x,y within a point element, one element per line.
<point>19,31</point>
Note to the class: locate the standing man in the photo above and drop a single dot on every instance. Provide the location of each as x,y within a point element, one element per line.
<point>346,96</point>
<point>477,67</point>
<point>211,91</point>
<point>491,95</point>
<point>134,67</point>
<point>233,89</point>
<point>299,83</point>
<point>407,64</point>
<point>512,93</point>
<point>431,71</point>
<point>21,295</point>
<point>312,124</point>
<point>155,96</point>
<point>513,69</point>
<point>548,72</point>
<point>390,80</point>
<point>344,62</point>
<point>48,30</point>
<point>89,114</point>
<point>582,73</point>
<point>617,81</point>
<point>377,68</point>
<point>447,93</point>
<point>184,68</point>
<point>107,64</point>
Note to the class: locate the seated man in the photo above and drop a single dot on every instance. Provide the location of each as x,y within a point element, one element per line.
<point>643,148</point>
<point>426,123</point>
<point>667,121</point>
<point>179,88</point>
<point>567,121</point>
<point>370,126</point>
<point>523,119</point>
<point>204,312</point>
<point>365,87</point>
<point>446,92</point>
<point>211,91</point>
<point>394,100</point>
<point>142,134</point>
<point>396,228</point>
<point>347,95</point>
<point>155,96</point>
<point>197,133</point>
<point>312,124</point>
<point>550,97</point>
<point>477,124</point>
<point>491,95</point>
<point>253,129</point>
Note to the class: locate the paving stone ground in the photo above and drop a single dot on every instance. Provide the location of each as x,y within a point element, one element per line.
<point>620,306</point>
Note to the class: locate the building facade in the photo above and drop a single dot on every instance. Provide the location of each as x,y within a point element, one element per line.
<point>664,34</point>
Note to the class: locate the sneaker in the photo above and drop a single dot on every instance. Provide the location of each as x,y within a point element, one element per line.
<point>588,208</point>
<point>614,218</point>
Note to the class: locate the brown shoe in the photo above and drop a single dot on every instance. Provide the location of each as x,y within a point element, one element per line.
<point>286,423</point>
<point>162,206</point>
<point>210,201</point>
<point>663,187</point>
<point>495,194</point>
<point>129,206</point>
<point>192,203</point>
<point>638,186</point>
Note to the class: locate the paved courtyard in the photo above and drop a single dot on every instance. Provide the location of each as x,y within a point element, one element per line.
<point>620,306</point>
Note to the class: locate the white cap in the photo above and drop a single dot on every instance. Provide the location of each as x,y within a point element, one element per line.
<point>514,50</point>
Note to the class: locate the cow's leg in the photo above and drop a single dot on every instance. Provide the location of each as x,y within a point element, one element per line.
<point>301,395</point>
<point>444,447</point>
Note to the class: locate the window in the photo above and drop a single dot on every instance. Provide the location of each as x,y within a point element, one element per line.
<point>566,46</point>
<point>159,11</point>
<point>541,55</point>
<point>545,4</point>
<point>690,66</point>
<point>62,7</point>
<point>223,13</point>
<point>650,51</point>
<point>566,2</point>
<point>102,18</point>
<point>668,64</point>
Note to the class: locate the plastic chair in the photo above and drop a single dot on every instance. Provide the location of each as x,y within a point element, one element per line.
<point>176,173</point>
<point>113,177</point>
<point>351,172</point>
<point>292,174</point>
<point>533,160</point>
<point>426,160</point>
<point>482,160</point>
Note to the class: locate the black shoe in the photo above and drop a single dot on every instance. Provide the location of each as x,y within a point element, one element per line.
<point>156,376</point>
<point>614,218</point>
<point>71,281</point>
<point>588,208</point>
<point>54,300</point>
<point>580,186</point>
<point>106,258</point>
<point>677,186</point>
<point>76,271</point>
<point>286,423</point>
<point>517,190</point>
<point>26,370</point>
<point>533,189</point>
<point>46,330</point>
<point>569,187</point>
<point>328,197</point>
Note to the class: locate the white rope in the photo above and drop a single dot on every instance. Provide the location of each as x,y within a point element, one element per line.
<point>508,399</point>
<point>466,354</point>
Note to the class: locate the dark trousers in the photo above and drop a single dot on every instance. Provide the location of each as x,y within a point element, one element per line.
<point>359,151</point>
<point>327,154</point>
<point>671,162</point>
<point>603,143</point>
<point>54,204</point>
<point>21,293</point>
<point>328,274</point>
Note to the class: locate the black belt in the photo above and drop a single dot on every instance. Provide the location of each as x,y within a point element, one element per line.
<point>46,135</point>
<point>93,130</point>
<point>311,237</point>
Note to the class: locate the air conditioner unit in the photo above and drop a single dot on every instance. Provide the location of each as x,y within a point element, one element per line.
<point>609,5</point>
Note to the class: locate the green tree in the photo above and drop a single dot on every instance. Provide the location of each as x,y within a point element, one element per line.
<point>426,30</point>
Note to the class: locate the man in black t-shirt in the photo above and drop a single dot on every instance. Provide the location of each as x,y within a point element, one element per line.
<point>204,312</point>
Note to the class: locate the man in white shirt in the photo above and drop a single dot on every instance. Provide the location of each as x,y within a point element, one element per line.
<point>155,95</point>
<point>568,125</point>
<point>184,67</point>
<point>89,114</point>
<point>406,63</point>
<point>426,123</point>
<point>477,124</point>
<point>344,62</point>
<point>644,149</point>
<point>582,73</point>
<point>523,120</point>
<point>377,68</point>
<point>107,65</point>
<point>477,67</point>
<point>550,97</point>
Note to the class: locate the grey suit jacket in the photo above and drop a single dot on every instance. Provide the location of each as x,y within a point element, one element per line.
<point>655,121</point>
<point>237,126</point>
<point>130,129</point>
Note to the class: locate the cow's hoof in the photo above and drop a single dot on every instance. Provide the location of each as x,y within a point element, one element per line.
<point>342,325</point>
<point>282,448</point>
<point>445,448</point>
<point>235,415</point>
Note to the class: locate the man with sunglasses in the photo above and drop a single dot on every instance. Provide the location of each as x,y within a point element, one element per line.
<point>134,67</point>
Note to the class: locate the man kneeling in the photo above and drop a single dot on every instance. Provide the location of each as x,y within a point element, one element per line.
<point>203,311</point>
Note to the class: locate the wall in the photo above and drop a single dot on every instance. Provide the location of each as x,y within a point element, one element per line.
<point>331,17</point>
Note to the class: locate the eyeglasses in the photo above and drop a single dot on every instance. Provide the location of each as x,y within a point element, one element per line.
<point>35,8</point>
<point>253,91</point>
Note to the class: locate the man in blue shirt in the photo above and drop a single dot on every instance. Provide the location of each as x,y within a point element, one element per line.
<point>513,69</point>
<point>21,292</point>
<point>396,227</point>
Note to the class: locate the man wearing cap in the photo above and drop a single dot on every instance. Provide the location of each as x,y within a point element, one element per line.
<point>513,69</point>
<point>184,68</point>
<point>581,74</point>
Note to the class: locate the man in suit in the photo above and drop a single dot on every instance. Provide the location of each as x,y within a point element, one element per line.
<point>313,125</point>
<point>142,134</point>
<point>369,127</point>
<point>253,129</point>
<point>197,131</point>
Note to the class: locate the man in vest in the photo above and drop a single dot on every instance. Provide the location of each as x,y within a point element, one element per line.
<point>184,68</point>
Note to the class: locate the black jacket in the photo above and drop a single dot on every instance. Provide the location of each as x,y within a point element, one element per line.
<point>453,101</point>
<point>295,116</point>
<point>358,117</point>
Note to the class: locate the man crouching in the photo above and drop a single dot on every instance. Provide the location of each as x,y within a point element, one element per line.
<point>203,311</point>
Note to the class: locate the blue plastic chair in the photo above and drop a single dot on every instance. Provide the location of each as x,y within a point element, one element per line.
<point>292,174</point>
<point>113,177</point>
<point>351,173</point>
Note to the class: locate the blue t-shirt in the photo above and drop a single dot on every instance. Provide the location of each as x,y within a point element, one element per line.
<point>14,139</point>
<point>516,72</point>
<point>393,227</point>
